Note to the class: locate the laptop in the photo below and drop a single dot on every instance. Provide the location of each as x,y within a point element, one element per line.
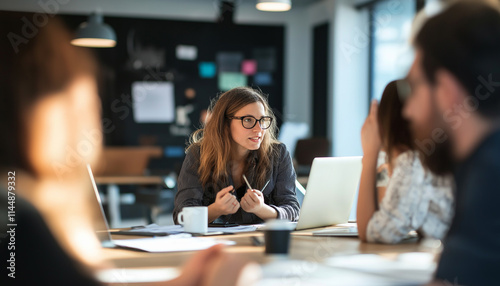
<point>101,224</point>
<point>171,242</point>
<point>330,194</point>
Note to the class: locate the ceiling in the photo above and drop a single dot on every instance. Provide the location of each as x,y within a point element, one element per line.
<point>301,3</point>
<point>295,3</point>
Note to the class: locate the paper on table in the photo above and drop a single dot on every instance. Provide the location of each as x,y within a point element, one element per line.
<point>174,229</point>
<point>137,275</point>
<point>343,229</point>
<point>309,273</point>
<point>233,229</point>
<point>174,243</point>
<point>416,267</point>
<point>170,229</point>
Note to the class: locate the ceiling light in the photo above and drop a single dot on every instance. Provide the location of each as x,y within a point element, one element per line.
<point>95,33</point>
<point>274,5</point>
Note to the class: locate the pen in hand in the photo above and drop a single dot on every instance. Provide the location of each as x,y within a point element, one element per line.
<point>248,184</point>
<point>246,181</point>
<point>265,186</point>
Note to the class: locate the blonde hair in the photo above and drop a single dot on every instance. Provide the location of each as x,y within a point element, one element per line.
<point>215,140</point>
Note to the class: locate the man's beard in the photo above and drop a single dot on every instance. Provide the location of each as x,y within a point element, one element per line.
<point>440,159</point>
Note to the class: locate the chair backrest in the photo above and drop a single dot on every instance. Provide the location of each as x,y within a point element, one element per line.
<point>127,161</point>
<point>308,149</point>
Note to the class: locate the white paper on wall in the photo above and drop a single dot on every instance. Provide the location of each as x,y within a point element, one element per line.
<point>153,102</point>
<point>187,53</point>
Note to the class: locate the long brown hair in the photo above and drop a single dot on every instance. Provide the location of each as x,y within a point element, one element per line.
<point>215,141</point>
<point>394,129</point>
<point>31,70</point>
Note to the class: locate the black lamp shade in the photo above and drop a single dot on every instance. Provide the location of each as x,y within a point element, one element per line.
<point>95,33</point>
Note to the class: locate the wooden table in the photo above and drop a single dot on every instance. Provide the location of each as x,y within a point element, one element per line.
<point>304,247</point>
<point>113,191</point>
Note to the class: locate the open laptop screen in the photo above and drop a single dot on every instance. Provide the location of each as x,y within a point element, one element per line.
<point>100,223</point>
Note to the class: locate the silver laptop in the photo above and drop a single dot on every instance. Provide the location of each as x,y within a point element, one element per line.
<point>331,189</point>
<point>102,227</point>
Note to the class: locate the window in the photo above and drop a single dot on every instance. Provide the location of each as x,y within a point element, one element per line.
<point>390,51</point>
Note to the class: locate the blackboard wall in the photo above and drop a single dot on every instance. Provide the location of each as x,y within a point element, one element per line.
<point>146,51</point>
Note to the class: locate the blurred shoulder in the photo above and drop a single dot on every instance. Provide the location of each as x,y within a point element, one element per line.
<point>409,157</point>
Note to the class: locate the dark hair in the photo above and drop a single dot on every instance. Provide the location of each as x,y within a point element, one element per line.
<point>393,128</point>
<point>465,40</point>
<point>36,60</point>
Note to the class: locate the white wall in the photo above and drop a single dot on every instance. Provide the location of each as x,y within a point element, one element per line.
<point>348,86</point>
<point>348,69</point>
<point>350,78</point>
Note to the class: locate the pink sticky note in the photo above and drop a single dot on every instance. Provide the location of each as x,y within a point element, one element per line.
<point>248,67</point>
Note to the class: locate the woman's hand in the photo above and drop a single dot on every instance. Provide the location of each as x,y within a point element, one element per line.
<point>225,202</point>
<point>212,267</point>
<point>194,271</point>
<point>252,201</point>
<point>370,136</point>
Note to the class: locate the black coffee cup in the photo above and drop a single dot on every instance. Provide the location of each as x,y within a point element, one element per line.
<point>277,236</point>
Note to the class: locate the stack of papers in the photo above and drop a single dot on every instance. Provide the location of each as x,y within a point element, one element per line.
<point>175,229</point>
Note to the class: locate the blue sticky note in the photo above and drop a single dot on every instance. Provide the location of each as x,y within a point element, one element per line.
<point>174,151</point>
<point>263,78</point>
<point>207,69</point>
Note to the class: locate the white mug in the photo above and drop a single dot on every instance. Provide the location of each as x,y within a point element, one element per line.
<point>194,219</point>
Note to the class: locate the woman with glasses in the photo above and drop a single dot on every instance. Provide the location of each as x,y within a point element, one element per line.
<point>414,198</point>
<point>239,139</point>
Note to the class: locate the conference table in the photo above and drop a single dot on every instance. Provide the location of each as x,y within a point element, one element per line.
<point>312,260</point>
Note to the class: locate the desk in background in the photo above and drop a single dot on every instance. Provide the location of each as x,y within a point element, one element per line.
<point>113,191</point>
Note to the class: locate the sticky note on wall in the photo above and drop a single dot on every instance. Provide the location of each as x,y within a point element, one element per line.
<point>228,80</point>
<point>174,151</point>
<point>207,69</point>
<point>229,61</point>
<point>266,59</point>
<point>249,67</point>
<point>263,79</point>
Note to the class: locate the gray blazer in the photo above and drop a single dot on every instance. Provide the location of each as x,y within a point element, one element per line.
<point>279,194</point>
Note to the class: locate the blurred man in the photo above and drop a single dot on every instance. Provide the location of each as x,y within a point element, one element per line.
<point>454,108</point>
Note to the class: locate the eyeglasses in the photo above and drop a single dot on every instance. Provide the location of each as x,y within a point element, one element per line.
<point>404,89</point>
<point>249,121</point>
